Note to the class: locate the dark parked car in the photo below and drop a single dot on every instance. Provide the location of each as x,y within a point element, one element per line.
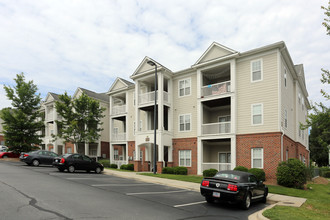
<point>38,157</point>
<point>235,187</point>
<point>72,162</point>
<point>8,155</point>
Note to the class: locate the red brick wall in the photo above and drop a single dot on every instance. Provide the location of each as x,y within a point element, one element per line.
<point>185,144</point>
<point>271,144</point>
<point>69,145</point>
<point>131,148</point>
<point>50,147</point>
<point>2,138</point>
<point>119,148</point>
<point>105,149</point>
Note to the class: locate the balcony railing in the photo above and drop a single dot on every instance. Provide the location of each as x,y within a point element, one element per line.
<point>216,89</point>
<point>149,97</point>
<point>115,137</point>
<point>218,166</point>
<point>117,110</point>
<point>216,128</point>
<point>119,162</point>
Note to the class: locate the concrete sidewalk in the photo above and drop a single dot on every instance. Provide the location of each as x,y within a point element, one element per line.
<point>273,199</point>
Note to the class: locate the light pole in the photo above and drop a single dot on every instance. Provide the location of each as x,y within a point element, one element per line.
<point>155,114</point>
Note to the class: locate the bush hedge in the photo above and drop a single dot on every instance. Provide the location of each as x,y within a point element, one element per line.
<point>241,168</point>
<point>123,167</point>
<point>180,170</point>
<point>259,173</point>
<point>209,172</point>
<point>106,163</point>
<point>130,166</point>
<point>291,173</point>
<point>326,174</point>
<point>168,170</point>
<point>115,166</point>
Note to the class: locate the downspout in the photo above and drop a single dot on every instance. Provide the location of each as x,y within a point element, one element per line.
<point>282,143</point>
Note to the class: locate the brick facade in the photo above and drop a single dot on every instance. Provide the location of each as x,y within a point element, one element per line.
<point>69,145</point>
<point>131,149</point>
<point>2,139</point>
<point>105,149</point>
<point>185,144</point>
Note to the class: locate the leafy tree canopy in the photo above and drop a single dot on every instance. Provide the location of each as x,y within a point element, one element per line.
<point>23,121</point>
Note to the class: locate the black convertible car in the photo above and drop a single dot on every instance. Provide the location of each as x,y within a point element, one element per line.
<point>234,186</point>
<point>72,162</point>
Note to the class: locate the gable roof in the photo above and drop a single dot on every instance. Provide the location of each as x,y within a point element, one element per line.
<point>214,51</point>
<point>100,96</point>
<point>144,67</point>
<point>53,95</point>
<point>120,84</point>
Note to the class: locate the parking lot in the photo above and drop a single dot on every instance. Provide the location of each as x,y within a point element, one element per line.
<point>161,196</point>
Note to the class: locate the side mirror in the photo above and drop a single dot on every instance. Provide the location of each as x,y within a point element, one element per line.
<point>93,159</point>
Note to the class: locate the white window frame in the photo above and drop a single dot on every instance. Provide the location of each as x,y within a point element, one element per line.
<point>285,118</point>
<point>285,78</point>
<point>262,157</point>
<point>262,114</point>
<point>261,70</point>
<point>287,155</point>
<point>116,154</point>
<point>299,98</point>
<point>185,86</point>
<point>184,122</point>
<point>185,158</point>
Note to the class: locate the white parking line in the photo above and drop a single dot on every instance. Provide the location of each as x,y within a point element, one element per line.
<point>142,184</point>
<point>188,204</point>
<point>85,178</point>
<point>150,193</point>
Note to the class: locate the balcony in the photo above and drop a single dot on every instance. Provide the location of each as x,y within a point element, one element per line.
<point>117,137</point>
<point>216,128</point>
<point>149,98</point>
<point>117,110</point>
<point>215,89</point>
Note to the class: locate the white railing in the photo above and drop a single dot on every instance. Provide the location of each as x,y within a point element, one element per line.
<point>216,89</point>
<point>116,110</point>
<point>216,128</point>
<point>217,166</point>
<point>118,137</point>
<point>149,97</point>
<point>119,162</point>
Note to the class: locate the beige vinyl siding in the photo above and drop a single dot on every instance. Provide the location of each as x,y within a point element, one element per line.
<point>130,115</point>
<point>105,121</point>
<point>301,117</point>
<point>214,53</point>
<point>185,105</point>
<point>118,85</point>
<point>288,101</point>
<point>264,92</point>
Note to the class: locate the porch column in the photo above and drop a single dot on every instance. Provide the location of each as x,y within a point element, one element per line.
<point>111,154</point>
<point>98,149</point>
<point>233,152</point>
<point>199,156</point>
<point>55,150</point>
<point>86,148</point>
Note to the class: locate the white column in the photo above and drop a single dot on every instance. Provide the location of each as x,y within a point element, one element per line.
<point>170,153</point>
<point>55,147</point>
<point>233,151</point>
<point>160,102</point>
<point>86,148</point>
<point>99,148</point>
<point>111,154</point>
<point>199,156</point>
<point>75,148</point>
<point>137,119</point>
<point>199,104</point>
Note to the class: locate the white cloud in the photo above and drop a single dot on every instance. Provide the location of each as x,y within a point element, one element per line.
<point>62,45</point>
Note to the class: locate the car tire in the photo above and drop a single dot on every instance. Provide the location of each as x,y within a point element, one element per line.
<point>264,199</point>
<point>98,170</point>
<point>246,202</point>
<point>60,169</point>
<point>5,157</point>
<point>209,199</point>
<point>35,162</point>
<point>71,169</point>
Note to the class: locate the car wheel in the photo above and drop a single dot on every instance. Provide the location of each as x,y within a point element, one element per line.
<point>35,163</point>
<point>247,201</point>
<point>61,169</point>
<point>98,170</point>
<point>5,156</point>
<point>264,199</point>
<point>209,199</point>
<point>71,169</point>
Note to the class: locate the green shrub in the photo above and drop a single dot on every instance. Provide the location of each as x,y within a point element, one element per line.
<point>241,168</point>
<point>259,173</point>
<point>291,173</point>
<point>130,166</point>
<point>123,167</point>
<point>324,170</point>
<point>209,172</point>
<point>168,170</point>
<point>180,170</point>
<point>115,166</point>
<point>106,163</point>
<point>326,174</point>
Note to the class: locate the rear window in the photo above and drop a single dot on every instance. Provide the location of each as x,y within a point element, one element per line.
<point>66,155</point>
<point>228,176</point>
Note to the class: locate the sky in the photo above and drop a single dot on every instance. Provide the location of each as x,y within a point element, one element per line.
<point>65,44</point>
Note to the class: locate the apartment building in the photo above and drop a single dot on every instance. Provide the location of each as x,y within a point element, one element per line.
<point>100,148</point>
<point>228,109</point>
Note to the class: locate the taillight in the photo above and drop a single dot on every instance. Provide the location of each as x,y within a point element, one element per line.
<point>62,160</point>
<point>232,187</point>
<point>206,183</point>
<point>25,155</point>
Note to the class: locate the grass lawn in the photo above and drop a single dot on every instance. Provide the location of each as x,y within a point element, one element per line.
<point>190,178</point>
<point>317,205</point>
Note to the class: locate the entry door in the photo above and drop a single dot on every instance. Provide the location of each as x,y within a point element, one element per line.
<point>224,158</point>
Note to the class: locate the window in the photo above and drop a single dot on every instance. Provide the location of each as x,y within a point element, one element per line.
<point>287,155</point>
<point>256,70</point>
<point>184,122</point>
<point>184,87</point>
<point>115,154</point>
<point>304,160</point>
<point>185,158</point>
<point>284,77</point>
<point>299,98</point>
<point>257,114</point>
<point>286,118</point>
<point>69,150</point>
<point>134,128</point>
<point>257,156</point>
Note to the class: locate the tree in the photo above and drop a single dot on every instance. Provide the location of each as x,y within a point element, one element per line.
<point>23,121</point>
<point>319,120</point>
<point>81,119</point>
